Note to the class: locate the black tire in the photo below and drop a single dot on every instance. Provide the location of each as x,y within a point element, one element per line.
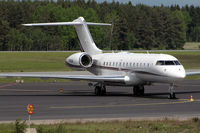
<point>138,90</point>
<point>103,91</point>
<point>141,90</point>
<point>172,96</point>
<point>135,92</point>
<point>97,90</point>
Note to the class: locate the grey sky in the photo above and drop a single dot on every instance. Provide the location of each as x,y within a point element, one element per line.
<point>159,2</point>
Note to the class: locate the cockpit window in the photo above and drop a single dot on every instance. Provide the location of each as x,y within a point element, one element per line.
<point>177,62</point>
<point>169,63</point>
<point>160,63</point>
<point>166,62</point>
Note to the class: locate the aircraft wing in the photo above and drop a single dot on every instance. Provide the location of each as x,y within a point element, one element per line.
<point>192,73</point>
<point>71,77</point>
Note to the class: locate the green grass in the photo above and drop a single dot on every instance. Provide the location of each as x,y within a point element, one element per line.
<point>193,77</point>
<point>6,128</point>
<point>192,45</point>
<point>33,61</point>
<point>145,126</point>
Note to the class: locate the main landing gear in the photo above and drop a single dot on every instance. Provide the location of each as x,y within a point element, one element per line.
<point>138,90</point>
<point>100,90</point>
<point>172,94</point>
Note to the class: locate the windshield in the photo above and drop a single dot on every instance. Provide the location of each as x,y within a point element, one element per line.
<point>166,62</point>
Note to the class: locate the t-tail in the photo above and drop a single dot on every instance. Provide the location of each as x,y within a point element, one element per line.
<point>86,42</point>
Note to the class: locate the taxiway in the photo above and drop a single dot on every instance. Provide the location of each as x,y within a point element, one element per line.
<point>77,101</point>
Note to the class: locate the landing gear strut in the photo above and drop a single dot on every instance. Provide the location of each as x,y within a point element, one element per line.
<point>172,94</point>
<point>100,90</point>
<point>138,90</point>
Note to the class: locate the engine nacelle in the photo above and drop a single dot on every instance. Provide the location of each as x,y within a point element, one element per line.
<point>79,61</point>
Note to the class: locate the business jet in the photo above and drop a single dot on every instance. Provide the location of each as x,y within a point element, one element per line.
<point>115,69</point>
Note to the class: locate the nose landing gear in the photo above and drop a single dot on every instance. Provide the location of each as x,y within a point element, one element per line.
<point>172,94</point>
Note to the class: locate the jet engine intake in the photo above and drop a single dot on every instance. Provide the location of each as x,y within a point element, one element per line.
<point>86,60</point>
<point>79,61</point>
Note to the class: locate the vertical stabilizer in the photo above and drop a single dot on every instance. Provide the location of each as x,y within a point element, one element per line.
<point>86,41</point>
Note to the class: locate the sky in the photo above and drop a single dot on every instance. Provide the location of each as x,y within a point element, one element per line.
<point>159,2</point>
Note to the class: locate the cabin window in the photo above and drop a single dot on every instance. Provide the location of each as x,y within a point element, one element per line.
<point>104,63</point>
<point>116,63</point>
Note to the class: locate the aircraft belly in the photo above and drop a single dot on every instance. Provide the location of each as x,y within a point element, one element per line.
<point>156,78</point>
<point>135,78</point>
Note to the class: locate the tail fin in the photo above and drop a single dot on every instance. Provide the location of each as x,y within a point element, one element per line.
<point>86,41</point>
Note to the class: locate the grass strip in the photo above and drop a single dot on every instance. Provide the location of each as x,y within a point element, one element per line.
<point>144,126</point>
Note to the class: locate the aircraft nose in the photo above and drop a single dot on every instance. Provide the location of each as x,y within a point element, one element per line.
<point>181,73</point>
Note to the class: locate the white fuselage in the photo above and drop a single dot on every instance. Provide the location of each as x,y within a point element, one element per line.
<point>139,68</point>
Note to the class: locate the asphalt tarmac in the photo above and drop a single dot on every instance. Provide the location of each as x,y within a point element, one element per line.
<point>77,101</point>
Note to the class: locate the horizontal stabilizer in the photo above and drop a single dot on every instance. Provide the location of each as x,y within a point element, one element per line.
<point>65,23</point>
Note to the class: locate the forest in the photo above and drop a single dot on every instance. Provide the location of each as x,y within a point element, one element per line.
<point>133,26</point>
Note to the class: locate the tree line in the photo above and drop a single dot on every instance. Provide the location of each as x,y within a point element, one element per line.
<point>133,27</point>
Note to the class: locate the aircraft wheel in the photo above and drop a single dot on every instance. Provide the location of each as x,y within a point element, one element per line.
<point>138,90</point>
<point>141,90</point>
<point>97,90</point>
<point>100,91</point>
<point>171,92</point>
<point>172,96</point>
<point>135,91</point>
<point>103,91</point>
